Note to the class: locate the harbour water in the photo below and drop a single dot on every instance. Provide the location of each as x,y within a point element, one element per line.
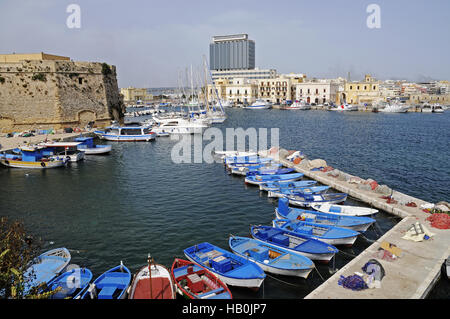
<point>136,201</point>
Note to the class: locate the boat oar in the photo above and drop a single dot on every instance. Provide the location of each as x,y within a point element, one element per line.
<point>149,260</point>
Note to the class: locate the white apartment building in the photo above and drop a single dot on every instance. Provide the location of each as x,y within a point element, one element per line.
<point>317,92</point>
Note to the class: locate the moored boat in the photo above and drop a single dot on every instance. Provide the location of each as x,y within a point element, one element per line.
<point>196,282</point>
<point>230,268</point>
<point>46,267</point>
<point>89,148</point>
<point>127,134</point>
<point>156,283</point>
<point>275,186</point>
<point>31,157</point>
<point>269,171</point>
<point>283,211</point>
<point>281,193</point>
<point>329,234</point>
<point>312,248</point>
<point>112,284</point>
<point>344,209</point>
<point>306,200</point>
<point>258,105</point>
<point>71,284</point>
<point>243,170</point>
<point>259,179</point>
<point>67,150</point>
<point>271,258</point>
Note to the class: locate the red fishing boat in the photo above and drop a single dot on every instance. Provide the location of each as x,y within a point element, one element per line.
<point>196,282</point>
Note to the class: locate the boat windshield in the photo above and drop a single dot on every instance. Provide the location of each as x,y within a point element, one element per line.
<point>131,131</point>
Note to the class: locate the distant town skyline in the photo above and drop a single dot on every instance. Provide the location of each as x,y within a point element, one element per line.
<point>151,42</point>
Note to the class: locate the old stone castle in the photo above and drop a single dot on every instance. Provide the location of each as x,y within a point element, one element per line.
<point>41,91</point>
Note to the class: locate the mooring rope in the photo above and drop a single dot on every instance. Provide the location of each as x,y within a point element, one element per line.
<point>285,282</point>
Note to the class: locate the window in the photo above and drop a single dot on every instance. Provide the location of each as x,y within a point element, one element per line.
<point>80,80</point>
<point>317,91</point>
<point>351,87</point>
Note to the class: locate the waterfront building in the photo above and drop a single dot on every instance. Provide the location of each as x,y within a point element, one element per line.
<point>317,91</point>
<point>236,91</point>
<point>133,95</point>
<point>43,91</point>
<point>362,92</point>
<point>277,90</point>
<point>232,52</point>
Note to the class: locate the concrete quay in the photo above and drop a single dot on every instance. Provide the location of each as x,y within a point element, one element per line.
<point>413,274</point>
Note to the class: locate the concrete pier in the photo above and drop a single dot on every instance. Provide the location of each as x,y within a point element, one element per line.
<point>411,276</point>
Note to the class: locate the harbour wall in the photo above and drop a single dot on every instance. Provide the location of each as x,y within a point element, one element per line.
<point>414,273</point>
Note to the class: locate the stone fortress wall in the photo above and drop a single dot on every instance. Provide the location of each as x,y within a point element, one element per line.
<point>52,93</point>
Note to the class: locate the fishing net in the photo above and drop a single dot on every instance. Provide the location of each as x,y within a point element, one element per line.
<point>353,282</point>
<point>439,220</point>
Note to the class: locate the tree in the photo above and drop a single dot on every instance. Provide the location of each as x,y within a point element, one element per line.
<point>17,250</point>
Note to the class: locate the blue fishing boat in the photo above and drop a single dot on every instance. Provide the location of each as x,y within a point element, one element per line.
<point>270,171</point>
<point>259,179</point>
<point>45,267</point>
<point>243,170</point>
<point>71,284</point>
<point>88,147</point>
<point>275,186</point>
<point>246,161</point>
<point>283,192</point>
<point>312,248</point>
<point>293,214</point>
<point>230,268</point>
<point>127,133</point>
<point>329,234</point>
<point>271,258</point>
<point>307,200</point>
<point>112,284</point>
<point>31,157</point>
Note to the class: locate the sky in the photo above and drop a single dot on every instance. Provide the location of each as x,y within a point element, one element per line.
<point>152,42</point>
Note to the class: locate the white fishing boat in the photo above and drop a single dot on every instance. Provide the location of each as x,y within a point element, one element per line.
<point>178,126</point>
<point>344,210</point>
<point>437,108</point>
<point>427,108</point>
<point>156,283</point>
<point>395,107</point>
<point>345,107</point>
<point>298,105</point>
<point>258,105</point>
<point>127,133</point>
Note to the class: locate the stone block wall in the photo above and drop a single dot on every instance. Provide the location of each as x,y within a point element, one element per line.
<point>56,94</point>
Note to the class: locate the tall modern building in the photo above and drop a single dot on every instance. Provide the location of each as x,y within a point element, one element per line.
<point>232,52</point>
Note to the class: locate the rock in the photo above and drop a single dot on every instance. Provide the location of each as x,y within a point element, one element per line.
<point>365,187</point>
<point>317,163</point>
<point>355,180</point>
<point>383,189</point>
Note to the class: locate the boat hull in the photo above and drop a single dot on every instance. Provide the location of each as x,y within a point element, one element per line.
<point>34,165</point>
<point>253,283</point>
<point>98,149</point>
<point>162,284</point>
